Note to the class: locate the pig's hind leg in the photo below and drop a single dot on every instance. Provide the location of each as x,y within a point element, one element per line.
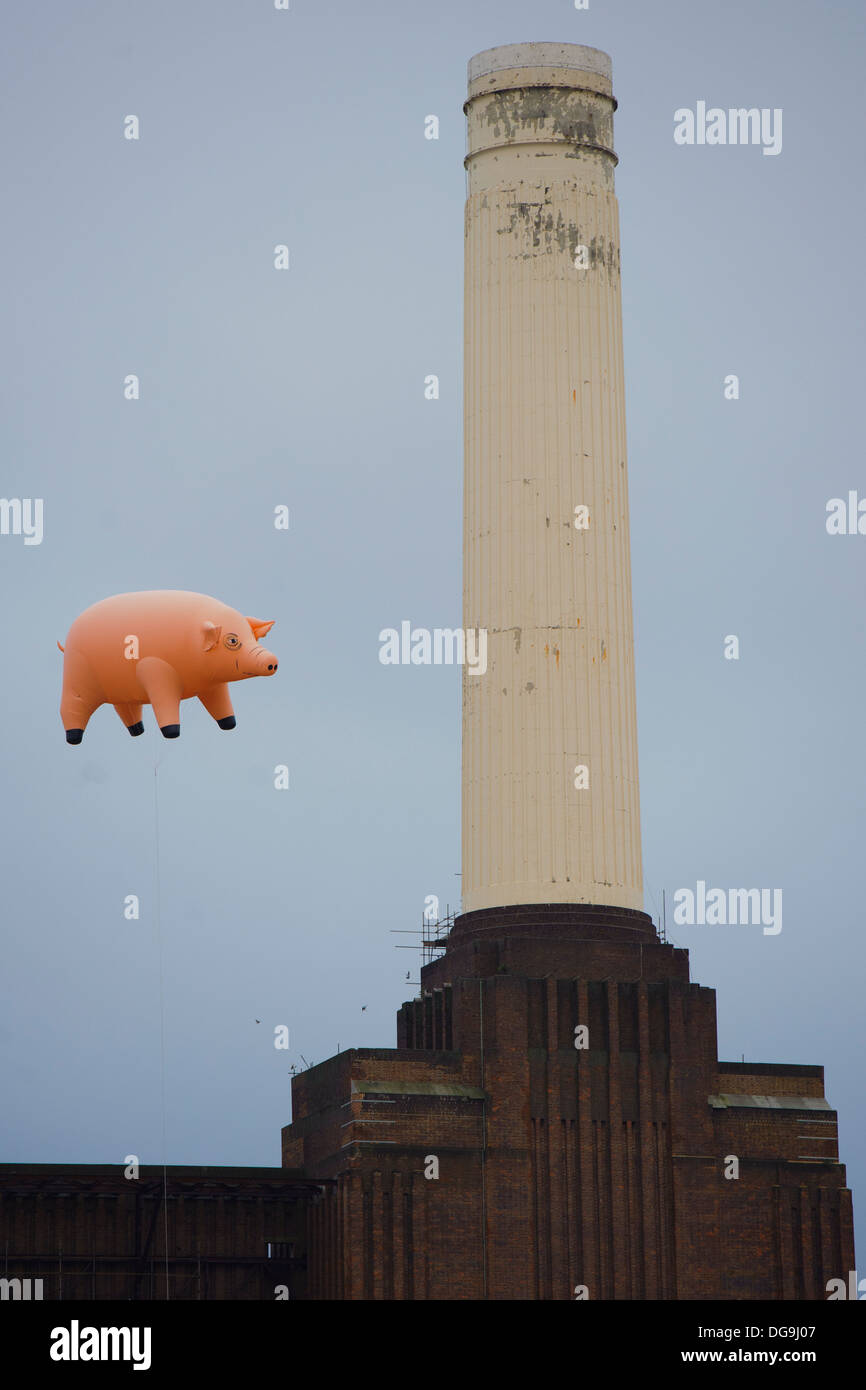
<point>218,703</point>
<point>130,716</point>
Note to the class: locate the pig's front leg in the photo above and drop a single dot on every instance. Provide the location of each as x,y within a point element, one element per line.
<point>81,695</point>
<point>163,687</point>
<point>218,704</point>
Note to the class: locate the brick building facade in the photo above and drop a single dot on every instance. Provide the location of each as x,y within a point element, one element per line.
<point>90,1233</point>
<point>563,1170</point>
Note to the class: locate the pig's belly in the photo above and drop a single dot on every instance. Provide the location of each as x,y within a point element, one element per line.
<point>118,679</point>
<point>118,682</point>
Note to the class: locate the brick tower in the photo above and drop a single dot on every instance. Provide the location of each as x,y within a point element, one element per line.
<point>554,1122</point>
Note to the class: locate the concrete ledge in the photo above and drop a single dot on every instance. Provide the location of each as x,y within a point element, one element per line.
<point>725,1102</point>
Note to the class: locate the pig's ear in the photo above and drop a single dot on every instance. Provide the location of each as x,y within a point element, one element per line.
<point>259,628</point>
<point>210,635</point>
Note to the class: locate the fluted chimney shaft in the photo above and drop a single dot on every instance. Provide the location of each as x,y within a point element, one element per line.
<point>550,768</point>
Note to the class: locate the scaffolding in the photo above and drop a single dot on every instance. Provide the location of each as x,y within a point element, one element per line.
<point>433,934</point>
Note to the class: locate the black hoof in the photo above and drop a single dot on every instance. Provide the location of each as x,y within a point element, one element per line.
<point>74,735</point>
<point>171,731</point>
<point>228,723</point>
<point>136,729</point>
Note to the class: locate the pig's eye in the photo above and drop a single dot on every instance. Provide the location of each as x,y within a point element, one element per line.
<point>232,641</point>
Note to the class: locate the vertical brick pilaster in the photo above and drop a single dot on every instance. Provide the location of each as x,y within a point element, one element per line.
<point>646,1159</point>
<point>398,1217</point>
<point>557,1193</point>
<point>376,1241</point>
<point>590,1273</point>
<point>619,1228</point>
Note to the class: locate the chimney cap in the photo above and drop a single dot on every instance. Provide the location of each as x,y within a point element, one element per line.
<point>540,55</point>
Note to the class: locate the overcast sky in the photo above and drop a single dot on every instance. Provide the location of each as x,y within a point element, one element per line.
<point>305,388</point>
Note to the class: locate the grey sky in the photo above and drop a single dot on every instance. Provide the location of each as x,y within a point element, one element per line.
<point>306,388</point>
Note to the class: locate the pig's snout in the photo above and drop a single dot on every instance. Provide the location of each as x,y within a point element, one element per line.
<point>261,662</point>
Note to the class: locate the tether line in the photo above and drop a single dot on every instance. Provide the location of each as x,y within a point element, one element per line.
<point>158,917</point>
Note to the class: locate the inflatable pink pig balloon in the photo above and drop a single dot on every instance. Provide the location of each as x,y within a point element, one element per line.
<point>158,648</point>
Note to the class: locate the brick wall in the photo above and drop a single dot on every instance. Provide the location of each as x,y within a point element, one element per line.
<point>90,1233</point>
<point>599,1166</point>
